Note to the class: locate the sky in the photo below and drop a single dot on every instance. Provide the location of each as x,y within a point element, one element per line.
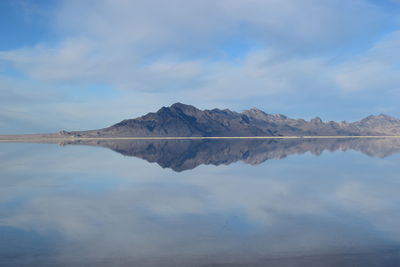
<point>85,64</point>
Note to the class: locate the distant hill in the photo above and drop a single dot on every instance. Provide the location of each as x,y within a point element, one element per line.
<point>185,120</point>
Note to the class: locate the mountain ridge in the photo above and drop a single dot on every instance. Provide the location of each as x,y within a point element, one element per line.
<point>182,120</point>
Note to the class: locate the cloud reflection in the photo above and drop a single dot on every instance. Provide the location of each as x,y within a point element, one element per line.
<point>101,208</point>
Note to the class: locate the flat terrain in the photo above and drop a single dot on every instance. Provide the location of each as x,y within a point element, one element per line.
<point>55,138</point>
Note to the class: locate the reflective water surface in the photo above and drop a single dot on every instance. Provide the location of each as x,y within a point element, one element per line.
<point>201,203</point>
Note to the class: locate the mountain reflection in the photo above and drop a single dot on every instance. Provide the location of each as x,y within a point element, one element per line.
<point>80,206</point>
<point>181,155</point>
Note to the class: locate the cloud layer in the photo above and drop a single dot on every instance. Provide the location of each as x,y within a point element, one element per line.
<point>294,57</point>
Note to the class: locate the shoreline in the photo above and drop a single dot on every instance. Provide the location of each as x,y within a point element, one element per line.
<point>44,138</point>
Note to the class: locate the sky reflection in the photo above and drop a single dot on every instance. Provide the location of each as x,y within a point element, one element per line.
<point>78,204</point>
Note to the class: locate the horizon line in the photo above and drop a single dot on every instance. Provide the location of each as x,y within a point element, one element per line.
<point>21,138</point>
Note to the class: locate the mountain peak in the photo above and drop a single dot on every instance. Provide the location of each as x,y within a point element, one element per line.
<point>254,109</point>
<point>179,105</point>
<point>380,118</point>
<point>385,117</point>
<point>180,108</point>
<point>316,120</point>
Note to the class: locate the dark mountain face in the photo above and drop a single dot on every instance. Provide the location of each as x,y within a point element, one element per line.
<point>184,120</point>
<point>181,155</point>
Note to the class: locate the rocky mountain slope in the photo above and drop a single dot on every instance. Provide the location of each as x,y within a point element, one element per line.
<point>184,120</point>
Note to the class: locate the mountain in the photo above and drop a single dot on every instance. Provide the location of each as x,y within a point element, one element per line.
<point>181,155</point>
<point>181,120</point>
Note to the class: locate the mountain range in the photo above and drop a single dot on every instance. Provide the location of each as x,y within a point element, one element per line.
<point>181,120</point>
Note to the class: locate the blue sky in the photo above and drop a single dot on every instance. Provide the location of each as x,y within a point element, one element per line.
<point>86,64</point>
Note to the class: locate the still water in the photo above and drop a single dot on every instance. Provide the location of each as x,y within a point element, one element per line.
<point>201,203</point>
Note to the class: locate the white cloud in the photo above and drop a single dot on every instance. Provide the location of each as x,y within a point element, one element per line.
<point>189,51</point>
<point>122,42</point>
<point>180,22</point>
<point>376,69</point>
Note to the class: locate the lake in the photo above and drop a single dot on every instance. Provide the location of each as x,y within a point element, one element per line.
<point>201,203</point>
